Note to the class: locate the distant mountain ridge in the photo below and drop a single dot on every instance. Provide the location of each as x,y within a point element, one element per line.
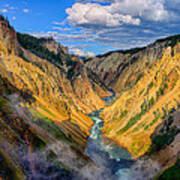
<point>110,66</point>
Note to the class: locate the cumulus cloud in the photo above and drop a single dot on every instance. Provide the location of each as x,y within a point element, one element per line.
<point>149,9</point>
<point>93,14</point>
<point>116,13</point>
<point>116,24</point>
<point>79,52</point>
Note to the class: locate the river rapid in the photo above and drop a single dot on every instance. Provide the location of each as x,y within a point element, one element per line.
<point>115,160</point>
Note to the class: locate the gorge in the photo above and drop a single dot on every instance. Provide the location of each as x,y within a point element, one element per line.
<point>113,116</point>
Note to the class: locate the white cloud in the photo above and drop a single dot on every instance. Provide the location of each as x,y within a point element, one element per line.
<point>61,28</point>
<point>13,8</point>
<point>149,9</point>
<point>117,12</point>
<point>79,52</point>
<point>58,23</point>
<point>14,18</point>
<point>90,54</point>
<point>9,7</point>
<point>25,10</point>
<point>4,10</point>
<point>6,5</point>
<point>103,24</point>
<point>65,37</point>
<point>91,14</point>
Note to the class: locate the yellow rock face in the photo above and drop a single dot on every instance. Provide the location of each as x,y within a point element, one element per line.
<point>139,109</point>
<point>64,101</point>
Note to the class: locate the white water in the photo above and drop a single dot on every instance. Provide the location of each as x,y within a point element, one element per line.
<point>115,161</point>
<point>110,157</point>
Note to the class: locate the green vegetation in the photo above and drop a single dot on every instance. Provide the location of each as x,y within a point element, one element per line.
<point>51,155</point>
<point>141,92</point>
<point>165,138</point>
<point>123,114</point>
<point>139,77</point>
<point>107,130</point>
<point>151,102</point>
<point>49,126</point>
<point>129,51</point>
<point>127,88</point>
<point>5,108</point>
<point>3,102</point>
<point>37,114</point>
<point>141,125</point>
<point>8,171</point>
<point>170,120</point>
<point>39,65</point>
<point>172,173</point>
<point>132,84</point>
<point>38,143</point>
<point>53,129</point>
<point>133,147</point>
<point>149,88</point>
<point>48,111</point>
<point>71,71</point>
<point>2,18</point>
<point>161,91</point>
<point>172,40</point>
<point>157,116</point>
<point>35,45</point>
<point>173,84</point>
<point>133,120</point>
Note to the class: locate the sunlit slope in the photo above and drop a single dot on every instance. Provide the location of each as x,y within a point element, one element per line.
<point>30,139</point>
<point>139,108</point>
<point>121,69</point>
<point>62,88</point>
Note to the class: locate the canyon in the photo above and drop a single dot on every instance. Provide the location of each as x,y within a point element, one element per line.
<point>57,111</point>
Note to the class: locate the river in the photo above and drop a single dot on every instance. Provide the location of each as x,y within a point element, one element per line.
<point>115,161</point>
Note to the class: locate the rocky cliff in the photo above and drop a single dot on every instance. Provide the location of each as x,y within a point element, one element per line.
<point>147,86</point>
<point>63,89</point>
<point>144,115</point>
<point>45,95</point>
<point>119,69</point>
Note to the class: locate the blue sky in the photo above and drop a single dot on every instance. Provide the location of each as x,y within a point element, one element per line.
<point>90,27</point>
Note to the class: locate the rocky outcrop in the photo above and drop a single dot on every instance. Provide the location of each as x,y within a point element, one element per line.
<point>146,82</point>
<point>119,69</point>
<point>46,94</point>
<point>61,87</point>
<point>144,115</point>
<point>139,108</point>
<point>34,148</point>
<point>44,99</point>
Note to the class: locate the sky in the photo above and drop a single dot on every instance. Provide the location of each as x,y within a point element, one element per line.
<point>91,27</point>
